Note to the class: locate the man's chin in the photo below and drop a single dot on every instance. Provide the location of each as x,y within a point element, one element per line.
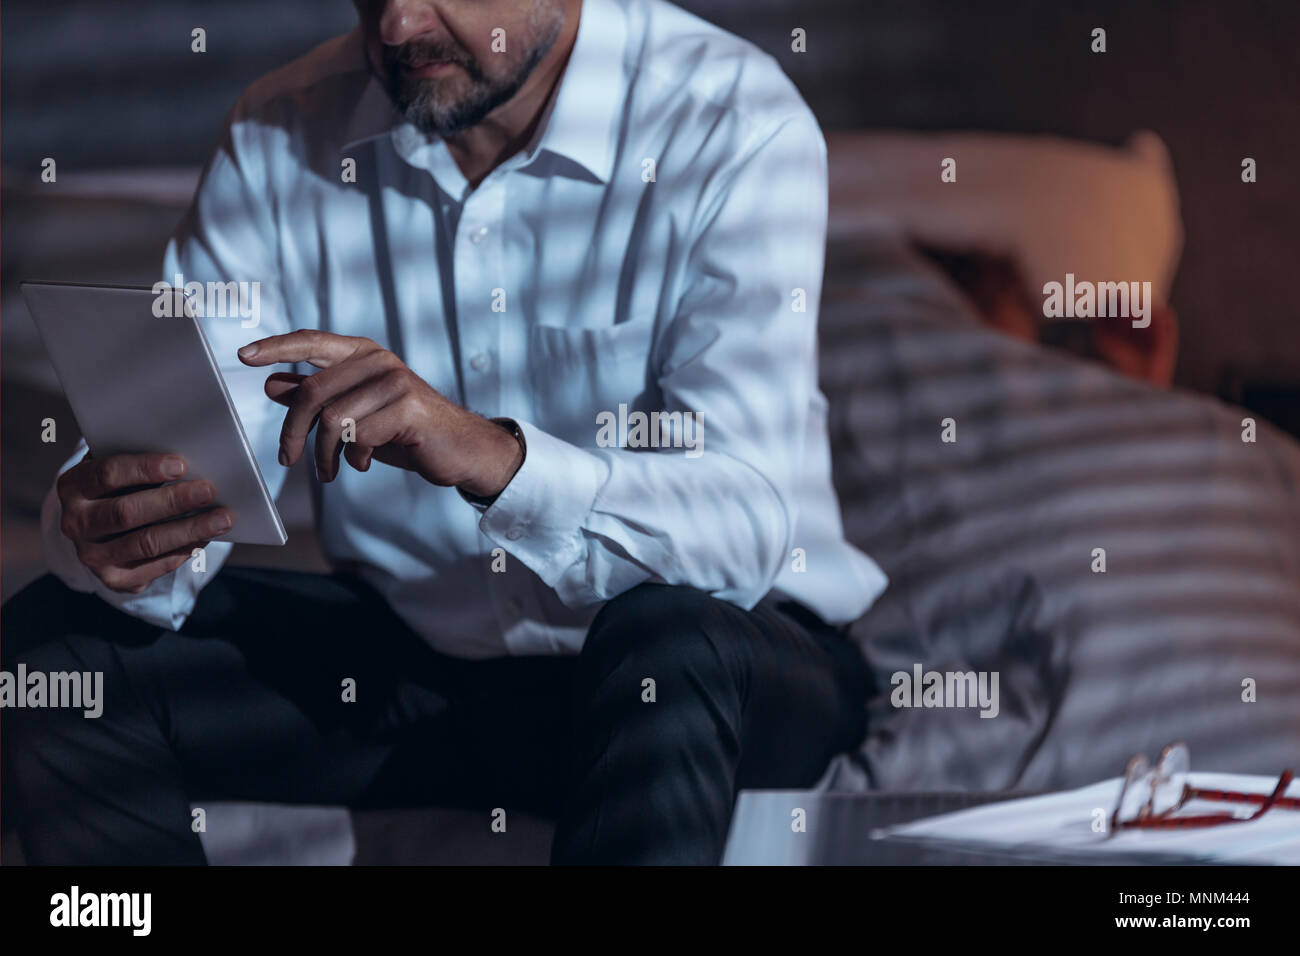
<point>442,120</point>
<point>448,105</point>
<point>443,123</point>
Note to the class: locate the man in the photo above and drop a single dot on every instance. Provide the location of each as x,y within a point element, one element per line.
<point>483,233</point>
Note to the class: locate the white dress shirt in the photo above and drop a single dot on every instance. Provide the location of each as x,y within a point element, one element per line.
<point>659,245</point>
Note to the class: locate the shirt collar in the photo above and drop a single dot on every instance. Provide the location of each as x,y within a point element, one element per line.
<point>580,117</point>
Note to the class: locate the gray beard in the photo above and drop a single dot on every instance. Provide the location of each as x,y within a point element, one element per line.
<point>418,101</point>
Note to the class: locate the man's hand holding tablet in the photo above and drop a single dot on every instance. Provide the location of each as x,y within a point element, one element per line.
<point>169,466</point>
<point>132,520</point>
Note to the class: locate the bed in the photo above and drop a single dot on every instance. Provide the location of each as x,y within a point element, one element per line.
<point>991,543</point>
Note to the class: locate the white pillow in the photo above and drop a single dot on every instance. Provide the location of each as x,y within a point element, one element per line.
<point>1056,206</point>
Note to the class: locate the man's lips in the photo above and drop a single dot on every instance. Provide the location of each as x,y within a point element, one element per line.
<point>429,68</point>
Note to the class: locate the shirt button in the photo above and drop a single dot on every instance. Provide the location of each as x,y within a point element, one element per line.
<point>516,606</point>
<point>478,235</point>
<point>515,533</point>
<point>479,362</point>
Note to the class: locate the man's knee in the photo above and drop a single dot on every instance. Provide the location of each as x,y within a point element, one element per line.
<point>62,657</point>
<point>51,677</point>
<point>53,654</point>
<point>661,632</point>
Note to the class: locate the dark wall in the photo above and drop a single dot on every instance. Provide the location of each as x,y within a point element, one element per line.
<point>114,83</point>
<point>1219,80</point>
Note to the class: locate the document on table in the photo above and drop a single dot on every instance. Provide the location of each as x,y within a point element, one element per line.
<point>1076,822</point>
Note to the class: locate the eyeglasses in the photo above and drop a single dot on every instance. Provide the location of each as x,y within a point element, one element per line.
<point>1151,796</point>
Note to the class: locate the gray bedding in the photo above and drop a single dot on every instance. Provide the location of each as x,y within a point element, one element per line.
<point>988,542</point>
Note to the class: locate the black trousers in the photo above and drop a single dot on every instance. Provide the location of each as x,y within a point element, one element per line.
<point>247,702</point>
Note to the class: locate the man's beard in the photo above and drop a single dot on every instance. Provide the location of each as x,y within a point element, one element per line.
<point>445,107</point>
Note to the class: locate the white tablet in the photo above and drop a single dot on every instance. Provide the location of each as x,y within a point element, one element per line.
<point>138,383</point>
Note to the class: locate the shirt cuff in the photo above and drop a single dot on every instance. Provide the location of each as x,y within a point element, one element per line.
<point>539,516</point>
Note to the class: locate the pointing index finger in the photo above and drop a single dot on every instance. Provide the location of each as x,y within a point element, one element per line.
<point>321,349</point>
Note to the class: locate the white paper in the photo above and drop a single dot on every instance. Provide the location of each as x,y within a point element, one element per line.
<point>1066,821</point>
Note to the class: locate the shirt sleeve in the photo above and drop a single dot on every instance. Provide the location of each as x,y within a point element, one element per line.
<point>740,355</point>
<point>226,235</point>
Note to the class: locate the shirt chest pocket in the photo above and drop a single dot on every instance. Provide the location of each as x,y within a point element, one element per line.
<point>576,373</point>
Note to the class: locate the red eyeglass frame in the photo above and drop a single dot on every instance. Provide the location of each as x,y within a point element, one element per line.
<point>1146,820</point>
